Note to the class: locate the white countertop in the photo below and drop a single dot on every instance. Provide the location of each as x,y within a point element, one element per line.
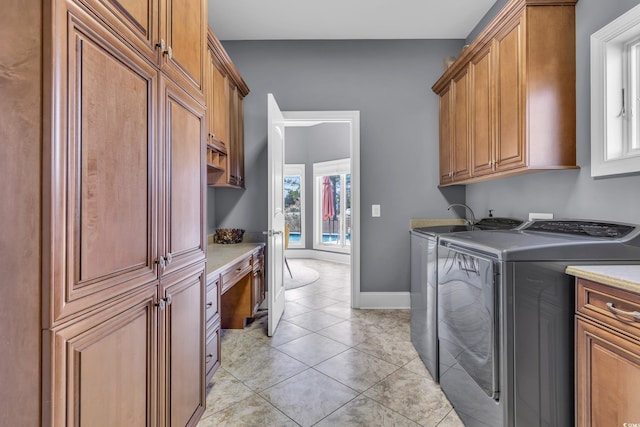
<point>625,277</point>
<point>220,256</point>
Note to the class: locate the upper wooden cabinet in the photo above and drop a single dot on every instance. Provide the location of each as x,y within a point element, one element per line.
<point>169,33</point>
<point>511,96</point>
<point>225,91</point>
<point>481,139</point>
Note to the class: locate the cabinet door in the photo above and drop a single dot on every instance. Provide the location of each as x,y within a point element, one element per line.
<point>103,366</point>
<point>240,139</point>
<point>184,180</point>
<point>136,20</point>
<point>510,107</point>
<point>460,140</point>
<point>184,26</point>
<point>445,136</point>
<point>233,134</point>
<point>182,346</point>
<point>220,106</point>
<point>481,71</point>
<point>103,238</point>
<point>209,96</point>
<point>258,281</point>
<point>608,374</point>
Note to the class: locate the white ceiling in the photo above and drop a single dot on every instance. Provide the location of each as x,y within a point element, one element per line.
<point>345,19</point>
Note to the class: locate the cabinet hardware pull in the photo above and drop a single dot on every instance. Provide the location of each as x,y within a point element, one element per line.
<point>160,304</point>
<point>634,314</point>
<point>209,357</point>
<point>161,262</point>
<point>169,299</point>
<point>165,50</point>
<point>209,304</point>
<point>168,259</point>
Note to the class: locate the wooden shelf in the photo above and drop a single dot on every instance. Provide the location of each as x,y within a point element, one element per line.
<point>216,159</point>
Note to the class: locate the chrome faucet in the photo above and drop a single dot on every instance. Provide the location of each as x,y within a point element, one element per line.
<point>473,217</point>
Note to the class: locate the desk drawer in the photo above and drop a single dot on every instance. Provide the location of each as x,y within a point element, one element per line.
<point>258,260</point>
<point>211,305</point>
<point>235,273</point>
<point>615,307</point>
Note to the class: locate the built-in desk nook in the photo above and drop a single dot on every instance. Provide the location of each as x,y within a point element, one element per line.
<point>235,291</point>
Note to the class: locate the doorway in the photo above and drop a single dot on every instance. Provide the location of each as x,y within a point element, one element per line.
<point>349,122</point>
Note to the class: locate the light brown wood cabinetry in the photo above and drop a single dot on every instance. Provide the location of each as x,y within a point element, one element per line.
<point>212,319</point>
<point>225,90</point>
<point>517,81</point>
<point>445,131</point>
<point>104,365</point>
<point>104,214</point>
<point>242,288</point>
<point>169,33</point>
<point>607,355</point>
<point>481,136</point>
<point>123,217</point>
<point>258,279</point>
<point>183,186</point>
<point>460,138</point>
<point>182,347</point>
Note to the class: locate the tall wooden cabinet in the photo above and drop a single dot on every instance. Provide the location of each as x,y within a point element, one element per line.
<point>124,243</point>
<point>511,96</point>
<point>225,91</point>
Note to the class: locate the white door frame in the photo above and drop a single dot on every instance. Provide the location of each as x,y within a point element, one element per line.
<point>309,118</point>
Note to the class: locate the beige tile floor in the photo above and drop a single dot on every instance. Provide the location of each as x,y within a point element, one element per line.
<point>327,365</point>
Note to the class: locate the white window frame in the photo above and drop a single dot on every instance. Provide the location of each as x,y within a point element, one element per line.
<point>334,167</point>
<point>298,170</point>
<point>615,119</point>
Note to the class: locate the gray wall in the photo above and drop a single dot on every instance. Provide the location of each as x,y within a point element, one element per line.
<point>570,193</point>
<point>309,145</point>
<point>389,82</point>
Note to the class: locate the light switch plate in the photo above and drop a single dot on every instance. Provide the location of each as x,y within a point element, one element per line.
<point>375,211</point>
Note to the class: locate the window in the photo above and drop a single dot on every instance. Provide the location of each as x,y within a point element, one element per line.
<point>332,206</point>
<point>294,204</point>
<point>615,96</point>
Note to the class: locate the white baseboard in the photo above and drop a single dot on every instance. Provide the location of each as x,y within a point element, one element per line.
<point>322,255</point>
<point>376,300</point>
<point>383,300</point>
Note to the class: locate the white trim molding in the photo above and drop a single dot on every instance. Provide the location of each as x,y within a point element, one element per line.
<point>321,255</point>
<point>305,118</point>
<point>612,99</point>
<point>385,300</point>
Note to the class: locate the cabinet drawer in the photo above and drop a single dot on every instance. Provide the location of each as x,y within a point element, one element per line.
<point>235,273</point>
<point>258,261</point>
<point>212,355</point>
<point>615,307</point>
<point>211,302</point>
